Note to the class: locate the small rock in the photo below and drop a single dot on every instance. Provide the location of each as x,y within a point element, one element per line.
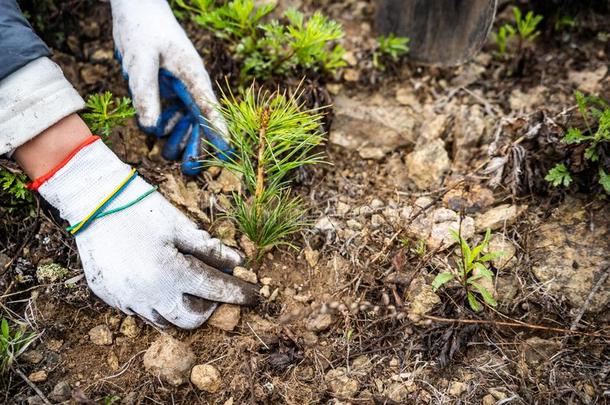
<point>371,130</point>
<point>434,127</point>
<point>225,231</point>
<point>266,281</point>
<point>342,208</point>
<point>92,74</point>
<point>377,221</point>
<point>248,247</point>
<point>351,75</point>
<point>422,297</point>
<point>187,196</point>
<point>325,224</point>
<point>32,356</point>
<point>488,400</point>
<point>38,376</point>
<point>226,317</point>
<point>227,182</point>
<point>169,359</point>
<point>102,56</point>
<point>206,377</point>
<point>311,256</point>
<point>340,384</point>
<point>427,165</point>
<point>397,392</point>
<point>353,224</point>
<point>456,388</point>
<point>499,395</point>
<point>61,392</point>
<point>435,228</point>
<point>113,361</point>
<point>471,126</point>
<point>376,204</point>
<point>319,322</point>
<point>54,344</point>
<point>100,335</point>
<point>244,274</point>
<point>361,366</point>
<point>498,217</point>
<point>129,327</point>
<point>265,291</point>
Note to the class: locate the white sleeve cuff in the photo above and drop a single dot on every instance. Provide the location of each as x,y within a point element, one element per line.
<point>31,100</point>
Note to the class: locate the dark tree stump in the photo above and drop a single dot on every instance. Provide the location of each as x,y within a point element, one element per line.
<point>446,32</point>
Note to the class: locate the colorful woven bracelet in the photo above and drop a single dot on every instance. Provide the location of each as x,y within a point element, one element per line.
<point>99,212</point>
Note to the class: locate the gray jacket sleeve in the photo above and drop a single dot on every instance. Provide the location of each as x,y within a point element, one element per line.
<point>19,45</point>
<point>34,94</point>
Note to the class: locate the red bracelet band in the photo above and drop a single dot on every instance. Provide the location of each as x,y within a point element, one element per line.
<point>34,185</point>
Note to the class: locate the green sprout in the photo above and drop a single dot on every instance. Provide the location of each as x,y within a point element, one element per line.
<point>472,268</point>
<point>559,175</point>
<point>12,345</point>
<point>595,137</point>
<point>273,135</point>
<point>105,113</point>
<point>14,192</point>
<point>525,29</point>
<point>390,46</point>
<point>279,47</point>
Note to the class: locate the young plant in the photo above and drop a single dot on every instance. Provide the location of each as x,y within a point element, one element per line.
<point>105,113</point>
<point>524,30</point>
<point>527,27</point>
<point>595,138</point>
<point>391,47</point>
<point>12,345</point>
<point>272,135</point>
<point>289,45</point>
<point>559,176</point>
<point>472,269</point>
<point>13,190</point>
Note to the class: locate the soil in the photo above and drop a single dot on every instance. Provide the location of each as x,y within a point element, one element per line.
<point>350,316</point>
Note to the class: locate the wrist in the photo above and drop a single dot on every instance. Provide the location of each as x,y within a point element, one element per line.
<point>48,149</point>
<point>87,178</point>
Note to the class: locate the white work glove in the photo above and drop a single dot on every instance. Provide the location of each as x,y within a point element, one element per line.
<point>161,64</point>
<point>149,259</point>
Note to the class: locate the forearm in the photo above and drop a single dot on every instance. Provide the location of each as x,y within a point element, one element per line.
<point>44,152</point>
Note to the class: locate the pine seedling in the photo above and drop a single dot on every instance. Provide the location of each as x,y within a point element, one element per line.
<point>472,268</point>
<point>105,113</point>
<point>595,136</point>
<point>12,345</point>
<point>391,47</point>
<point>272,135</point>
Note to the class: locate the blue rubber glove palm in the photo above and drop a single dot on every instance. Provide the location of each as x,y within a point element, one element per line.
<point>170,88</point>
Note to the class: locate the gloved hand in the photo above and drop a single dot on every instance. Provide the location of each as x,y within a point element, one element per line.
<point>160,62</point>
<point>148,259</point>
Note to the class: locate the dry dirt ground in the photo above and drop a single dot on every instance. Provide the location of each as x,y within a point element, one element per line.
<point>350,317</point>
